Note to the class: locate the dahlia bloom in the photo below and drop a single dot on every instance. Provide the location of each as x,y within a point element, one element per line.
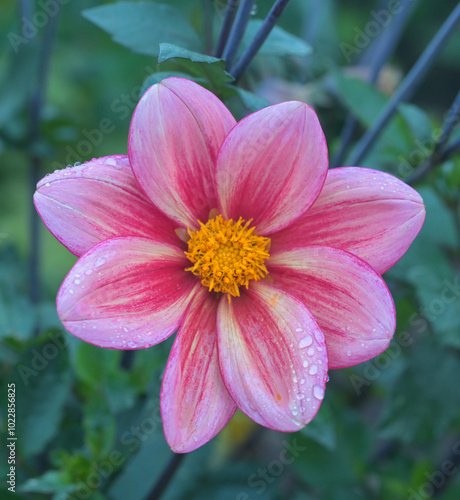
<point>237,236</point>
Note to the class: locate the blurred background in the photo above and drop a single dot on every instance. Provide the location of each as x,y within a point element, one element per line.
<point>88,421</point>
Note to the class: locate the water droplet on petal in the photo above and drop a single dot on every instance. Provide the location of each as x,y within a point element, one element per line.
<point>299,330</point>
<point>306,341</point>
<point>348,353</point>
<point>318,392</point>
<point>311,351</point>
<point>305,363</point>
<point>313,370</point>
<point>99,262</point>
<point>77,282</point>
<point>132,344</point>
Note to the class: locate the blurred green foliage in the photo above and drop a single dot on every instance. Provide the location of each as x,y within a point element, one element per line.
<point>88,424</point>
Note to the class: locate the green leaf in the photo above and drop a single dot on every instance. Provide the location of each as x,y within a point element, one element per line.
<point>93,364</point>
<point>99,425</point>
<point>42,388</point>
<point>366,103</point>
<point>322,428</point>
<point>278,43</point>
<point>209,68</point>
<point>157,77</point>
<point>142,26</point>
<point>251,101</point>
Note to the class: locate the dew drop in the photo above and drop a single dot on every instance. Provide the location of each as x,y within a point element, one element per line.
<point>299,330</point>
<point>306,341</point>
<point>302,381</point>
<point>348,353</point>
<point>313,370</point>
<point>71,291</point>
<point>77,281</point>
<point>311,351</point>
<point>48,184</point>
<point>125,329</point>
<point>110,161</point>
<point>132,344</point>
<point>305,363</point>
<point>295,412</point>
<point>99,262</point>
<point>88,272</point>
<point>318,392</point>
<point>294,379</point>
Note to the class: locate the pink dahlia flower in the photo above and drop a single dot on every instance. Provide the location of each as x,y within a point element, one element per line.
<point>237,236</point>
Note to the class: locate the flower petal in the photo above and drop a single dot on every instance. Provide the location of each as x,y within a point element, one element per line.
<point>366,212</point>
<point>175,135</point>
<point>126,293</point>
<point>272,357</point>
<point>272,166</point>
<point>195,404</point>
<point>349,300</point>
<point>87,204</point>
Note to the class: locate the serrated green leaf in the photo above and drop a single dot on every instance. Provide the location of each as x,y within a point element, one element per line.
<point>142,26</point>
<point>209,68</point>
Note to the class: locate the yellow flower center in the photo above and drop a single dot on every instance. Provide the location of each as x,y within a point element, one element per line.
<point>227,255</point>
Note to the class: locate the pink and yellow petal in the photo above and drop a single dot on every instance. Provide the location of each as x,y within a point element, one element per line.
<point>175,135</point>
<point>348,298</point>
<point>272,357</point>
<point>272,166</point>
<point>86,204</point>
<point>369,213</point>
<point>195,404</point>
<point>126,293</point>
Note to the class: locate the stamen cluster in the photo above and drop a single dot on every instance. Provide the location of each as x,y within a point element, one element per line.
<point>227,254</point>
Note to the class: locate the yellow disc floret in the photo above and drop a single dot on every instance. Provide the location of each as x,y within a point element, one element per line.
<point>227,254</point>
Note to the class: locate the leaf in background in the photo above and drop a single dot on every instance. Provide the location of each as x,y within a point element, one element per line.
<point>157,77</point>
<point>322,428</point>
<point>43,383</point>
<point>142,26</point>
<point>210,68</point>
<point>425,399</point>
<point>99,425</point>
<point>278,43</point>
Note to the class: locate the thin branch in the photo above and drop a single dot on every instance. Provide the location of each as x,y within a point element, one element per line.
<point>229,17</point>
<point>385,45</point>
<point>237,31</point>
<point>166,477</point>
<point>36,103</point>
<point>441,151</point>
<point>259,39</point>
<point>409,84</point>
<point>208,26</point>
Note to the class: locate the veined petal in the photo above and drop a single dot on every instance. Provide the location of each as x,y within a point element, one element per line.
<point>272,166</point>
<point>195,404</point>
<point>126,293</point>
<point>348,298</point>
<point>366,212</point>
<point>272,357</point>
<point>86,204</point>
<point>175,135</point>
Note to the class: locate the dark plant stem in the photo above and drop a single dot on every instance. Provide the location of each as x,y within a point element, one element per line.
<point>452,119</point>
<point>376,57</point>
<point>237,31</point>
<point>229,17</point>
<point>259,39</point>
<point>36,103</point>
<point>208,26</point>
<point>166,477</point>
<point>441,151</point>
<point>409,84</point>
